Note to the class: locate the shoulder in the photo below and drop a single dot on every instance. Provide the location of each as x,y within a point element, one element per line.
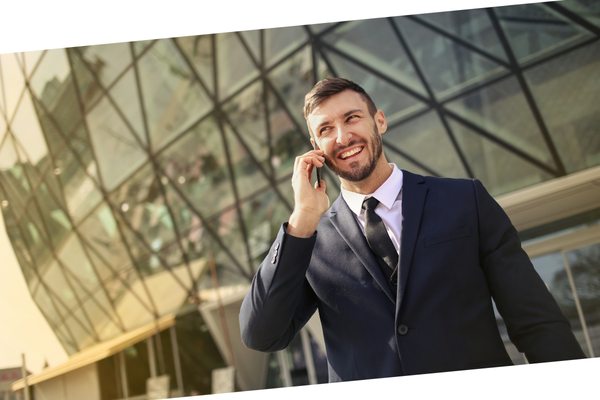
<point>438,183</point>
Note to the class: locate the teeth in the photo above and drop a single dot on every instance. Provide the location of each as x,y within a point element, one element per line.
<point>351,152</point>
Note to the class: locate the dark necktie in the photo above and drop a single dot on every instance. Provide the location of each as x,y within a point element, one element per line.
<point>379,241</point>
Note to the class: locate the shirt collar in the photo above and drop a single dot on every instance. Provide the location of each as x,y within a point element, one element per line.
<point>387,193</point>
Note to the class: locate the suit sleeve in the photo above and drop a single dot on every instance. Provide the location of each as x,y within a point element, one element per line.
<point>533,319</point>
<point>280,301</point>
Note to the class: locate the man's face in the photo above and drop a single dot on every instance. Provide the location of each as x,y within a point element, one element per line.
<point>351,139</point>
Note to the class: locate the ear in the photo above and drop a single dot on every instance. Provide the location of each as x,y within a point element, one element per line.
<point>381,122</point>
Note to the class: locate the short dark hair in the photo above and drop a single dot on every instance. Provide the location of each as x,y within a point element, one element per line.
<point>328,87</point>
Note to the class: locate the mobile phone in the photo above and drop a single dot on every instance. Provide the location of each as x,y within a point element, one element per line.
<point>317,168</point>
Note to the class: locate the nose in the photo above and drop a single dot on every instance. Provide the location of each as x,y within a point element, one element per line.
<point>343,136</point>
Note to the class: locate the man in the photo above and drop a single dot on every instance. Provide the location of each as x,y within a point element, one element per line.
<point>423,303</point>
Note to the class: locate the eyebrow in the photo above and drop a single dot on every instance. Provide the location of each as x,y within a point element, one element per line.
<point>346,114</point>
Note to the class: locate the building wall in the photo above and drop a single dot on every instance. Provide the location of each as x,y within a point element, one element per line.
<point>80,384</point>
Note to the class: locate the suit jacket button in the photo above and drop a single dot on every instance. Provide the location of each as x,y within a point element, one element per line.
<point>403,329</point>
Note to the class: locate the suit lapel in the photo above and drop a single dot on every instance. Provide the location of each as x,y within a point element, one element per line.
<point>342,218</point>
<point>414,191</point>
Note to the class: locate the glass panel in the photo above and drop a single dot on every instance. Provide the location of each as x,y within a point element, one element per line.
<point>102,314</point>
<point>23,257</point>
<point>55,219</point>
<point>111,59</point>
<point>502,110</point>
<point>12,79</point>
<point>374,43</point>
<point>169,288</point>
<point>585,268</point>
<point>292,79</point>
<point>535,31</point>
<point>55,279</point>
<point>500,170</point>
<point>279,42</point>
<point>287,141</point>
<point>252,39</point>
<point>228,227</point>
<point>63,334</point>
<point>449,68</point>
<point>31,58</point>
<point>101,234</point>
<point>82,336</point>
<point>130,308</point>
<point>103,325</point>
<point>246,112</point>
<point>43,301</point>
<point>144,207</point>
<point>126,95</point>
<point>416,137</point>
<point>473,26</point>
<point>26,128</point>
<point>188,223</point>
<point>551,268</point>
<point>74,258</point>
<point>196,164</point>
<point>403,163</point>
<point>573,116</point>
<point>11,170</point>
<point>140,46</point>
<point>588,9</point>
<point>51,78</point>
<point>172,98</point>
<point>263,216</point>
<point>234,66</point>
<point>80,191</point>
<point>113,143</point>
<point>395,103</point>
<point>248,177</point>
<point>87,85</point>
<point>3,129</point>
<point>198,50</point>
<point>318,28</point>
<point>35,240</point>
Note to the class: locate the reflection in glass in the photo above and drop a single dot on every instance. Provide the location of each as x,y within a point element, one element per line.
<point>585,269</point>
<point>449,67</point>
<point>535,31</point>
<point>502,110</point>
<point>415,138</point>
<point>362,40</point>
<point>235,68</point>
<point>173,100</point>
<point>572,117</point>
<point>473,26</point>
<point>196,165</point>
<point>551,268</point>
<point>113,141</point>
<point>500,170</point>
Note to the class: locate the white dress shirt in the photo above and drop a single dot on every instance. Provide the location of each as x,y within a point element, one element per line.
<point>389,208</point>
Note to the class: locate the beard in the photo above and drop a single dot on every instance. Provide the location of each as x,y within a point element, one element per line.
<point>357,172</point>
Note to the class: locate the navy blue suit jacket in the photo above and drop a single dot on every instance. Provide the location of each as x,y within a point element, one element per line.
<point>458,250</point>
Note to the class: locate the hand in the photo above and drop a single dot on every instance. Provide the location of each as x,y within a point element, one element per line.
<point>310,202</point>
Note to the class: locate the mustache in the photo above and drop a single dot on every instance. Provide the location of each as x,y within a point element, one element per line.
<point>354,142</point>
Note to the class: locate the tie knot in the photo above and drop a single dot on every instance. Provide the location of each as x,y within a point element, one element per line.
<point>370,203</point>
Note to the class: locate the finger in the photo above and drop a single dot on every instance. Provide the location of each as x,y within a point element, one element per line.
<point>322,188</point>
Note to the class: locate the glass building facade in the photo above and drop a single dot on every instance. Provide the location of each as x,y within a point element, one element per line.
<point>128,170</point>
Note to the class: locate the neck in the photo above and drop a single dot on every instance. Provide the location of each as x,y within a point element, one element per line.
<point>367,186</point>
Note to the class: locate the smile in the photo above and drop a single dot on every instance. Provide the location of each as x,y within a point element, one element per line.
<point>350,153</point>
